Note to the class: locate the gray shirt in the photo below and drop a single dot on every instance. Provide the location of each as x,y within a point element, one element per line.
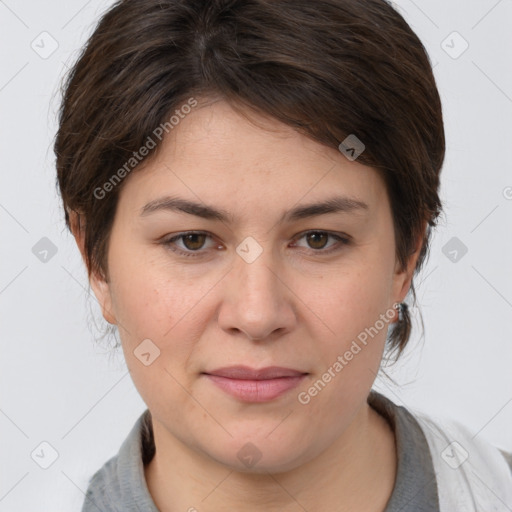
<point>120,484</point>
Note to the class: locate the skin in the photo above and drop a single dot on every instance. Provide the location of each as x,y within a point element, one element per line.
<point>292,306</point>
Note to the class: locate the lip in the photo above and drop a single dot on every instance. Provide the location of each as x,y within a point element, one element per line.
<point>255,385</point>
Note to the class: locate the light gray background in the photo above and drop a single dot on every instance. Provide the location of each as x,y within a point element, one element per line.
<point>61,387</point>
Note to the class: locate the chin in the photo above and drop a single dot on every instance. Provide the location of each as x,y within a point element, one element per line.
<point>259,456</point>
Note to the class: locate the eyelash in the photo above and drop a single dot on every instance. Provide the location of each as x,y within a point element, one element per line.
<point>343,240</point>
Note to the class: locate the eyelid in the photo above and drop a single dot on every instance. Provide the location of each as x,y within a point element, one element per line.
<point>168,241</point>
<point>341,238</point>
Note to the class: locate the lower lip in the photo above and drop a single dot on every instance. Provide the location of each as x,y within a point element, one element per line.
<point>256,390</point>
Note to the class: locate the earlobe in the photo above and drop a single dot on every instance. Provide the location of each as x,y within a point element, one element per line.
<point>99,284</point>
<point>101,289</point>
<point>404,277</point>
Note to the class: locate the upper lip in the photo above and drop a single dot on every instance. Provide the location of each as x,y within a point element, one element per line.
<point>247,373</point>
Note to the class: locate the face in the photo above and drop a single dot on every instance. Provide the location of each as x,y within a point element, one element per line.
<point>262,281</point>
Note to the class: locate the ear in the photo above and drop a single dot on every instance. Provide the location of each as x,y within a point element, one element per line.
<point>403,277</point>
<point>99,284</point>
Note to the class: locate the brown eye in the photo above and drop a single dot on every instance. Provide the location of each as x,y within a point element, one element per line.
<point>190,244</point>
<point>317,239</point>
<point>322,242</point>
<point>193,241</point>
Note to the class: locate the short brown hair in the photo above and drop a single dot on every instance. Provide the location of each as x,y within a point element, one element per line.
<point>327,68</point>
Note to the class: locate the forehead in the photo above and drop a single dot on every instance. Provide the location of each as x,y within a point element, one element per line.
<point>215,154</point>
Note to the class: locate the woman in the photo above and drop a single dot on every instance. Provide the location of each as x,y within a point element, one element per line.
<point>252,186</point>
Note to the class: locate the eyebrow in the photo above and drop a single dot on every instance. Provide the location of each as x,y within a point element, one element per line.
<point>336,204</point>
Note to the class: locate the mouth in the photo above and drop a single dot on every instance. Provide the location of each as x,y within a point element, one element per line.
<point>255,385</point>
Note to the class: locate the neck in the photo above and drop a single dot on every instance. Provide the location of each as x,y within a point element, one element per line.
<point>357,474</point>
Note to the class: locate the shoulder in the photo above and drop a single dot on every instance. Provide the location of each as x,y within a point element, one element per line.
<point>469,470</point>
<point>119,484</point>
<point>102,486</point>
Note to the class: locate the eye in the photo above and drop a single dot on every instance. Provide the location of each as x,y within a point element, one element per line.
<point>192,242</point>
<point>317,240</point>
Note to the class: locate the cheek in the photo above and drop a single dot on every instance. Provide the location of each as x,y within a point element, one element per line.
<point>351,301</point>
<point>354,310</point>
<point>357,314</point>
<point>166,307</point>
<point>160,323</point>
<point>151,301</point>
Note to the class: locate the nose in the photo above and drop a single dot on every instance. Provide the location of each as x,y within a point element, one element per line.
<point>256,300</point>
